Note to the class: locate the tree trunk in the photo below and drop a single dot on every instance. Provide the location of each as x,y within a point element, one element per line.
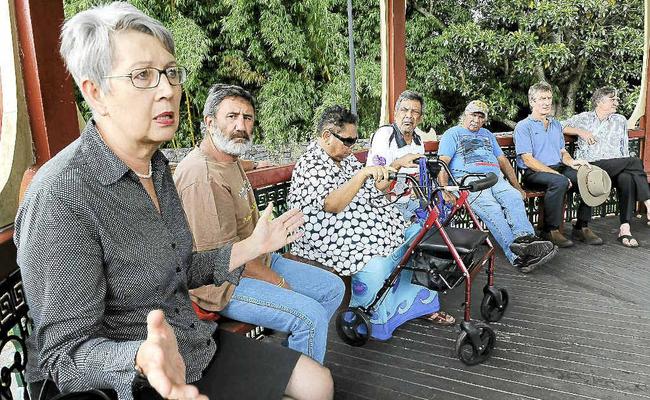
<point>509,123</point>
<point>569,97</point>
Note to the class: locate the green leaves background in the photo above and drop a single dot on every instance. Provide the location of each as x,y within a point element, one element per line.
<point>293,56</point>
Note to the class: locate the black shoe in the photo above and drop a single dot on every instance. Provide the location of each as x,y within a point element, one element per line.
<point>527,264</point>
<point>530,245</point>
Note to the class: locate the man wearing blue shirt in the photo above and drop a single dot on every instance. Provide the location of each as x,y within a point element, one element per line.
<point>547,166</point>
<point>470,148</point>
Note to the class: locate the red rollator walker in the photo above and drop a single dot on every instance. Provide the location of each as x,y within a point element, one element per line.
<point>441,257</point>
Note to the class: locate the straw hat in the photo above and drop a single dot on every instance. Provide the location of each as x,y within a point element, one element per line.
<point>594,185</point>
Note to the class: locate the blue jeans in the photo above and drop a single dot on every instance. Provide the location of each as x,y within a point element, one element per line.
<point>304,311</point>
<point>502,209</point>
<point>408,208</point>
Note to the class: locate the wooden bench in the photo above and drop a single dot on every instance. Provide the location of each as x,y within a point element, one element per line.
<point>270,184</point>
<point>15,326</point>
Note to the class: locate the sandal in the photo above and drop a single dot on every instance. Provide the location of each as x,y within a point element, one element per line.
<point>440,318</point>
<point>622,239</point>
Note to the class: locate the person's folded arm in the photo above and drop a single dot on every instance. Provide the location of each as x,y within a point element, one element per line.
<point>338,199</point>
<point>536,165</point>
<point>62,268</point>
<point>320,189</point>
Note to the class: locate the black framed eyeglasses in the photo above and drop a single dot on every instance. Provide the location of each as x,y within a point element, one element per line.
<point>149,77</point>
<point>347,141</point>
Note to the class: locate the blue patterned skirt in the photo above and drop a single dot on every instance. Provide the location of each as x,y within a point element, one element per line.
<point>403,302</point>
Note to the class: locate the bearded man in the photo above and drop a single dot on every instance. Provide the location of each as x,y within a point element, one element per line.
<point>220,206</point>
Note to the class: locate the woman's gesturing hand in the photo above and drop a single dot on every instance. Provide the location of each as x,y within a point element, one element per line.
<point>159,360</point>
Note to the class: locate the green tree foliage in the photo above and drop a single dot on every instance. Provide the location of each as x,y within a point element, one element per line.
<point>495,49</point>
<point>293,56</point>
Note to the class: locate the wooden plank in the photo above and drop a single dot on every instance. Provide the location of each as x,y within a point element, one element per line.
<point>396,53</point>
<point>575,329</point>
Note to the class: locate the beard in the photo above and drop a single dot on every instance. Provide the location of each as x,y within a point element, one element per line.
<point>230,145</point>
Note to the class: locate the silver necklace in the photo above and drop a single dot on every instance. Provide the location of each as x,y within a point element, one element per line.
<point>145,176</point>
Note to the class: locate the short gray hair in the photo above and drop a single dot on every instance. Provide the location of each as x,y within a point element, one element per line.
<point>217,93</point>
<point>538,88</point>
<point>602,93</point>
<point>87,39</point>
<point>410,95</point>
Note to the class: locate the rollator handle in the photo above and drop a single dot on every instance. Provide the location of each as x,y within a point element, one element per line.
<point>483,183</point>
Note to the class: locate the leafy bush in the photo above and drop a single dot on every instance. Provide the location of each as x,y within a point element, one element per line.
<point>293,56</point>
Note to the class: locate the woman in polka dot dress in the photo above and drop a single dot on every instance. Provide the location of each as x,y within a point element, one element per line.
<point>351,227</point>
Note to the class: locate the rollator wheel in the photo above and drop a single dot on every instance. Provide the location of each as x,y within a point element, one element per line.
<point>468,353</point>
<point>353,326</point>
<point>491,311</point>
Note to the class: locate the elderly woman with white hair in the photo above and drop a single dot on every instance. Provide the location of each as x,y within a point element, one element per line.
<point>104,247</point>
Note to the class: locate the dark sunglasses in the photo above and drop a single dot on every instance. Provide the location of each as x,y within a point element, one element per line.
<point>347,141</point>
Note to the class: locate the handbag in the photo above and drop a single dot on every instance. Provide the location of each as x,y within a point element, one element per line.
<point>435,273</point>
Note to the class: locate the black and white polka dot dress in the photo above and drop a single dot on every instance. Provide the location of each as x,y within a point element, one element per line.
<point>348,240</point>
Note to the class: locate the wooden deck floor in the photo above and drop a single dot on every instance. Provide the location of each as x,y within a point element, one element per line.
<point>577,328</point>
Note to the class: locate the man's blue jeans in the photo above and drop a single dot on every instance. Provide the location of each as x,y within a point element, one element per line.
<point>503,211</point>
<point>304,311</point>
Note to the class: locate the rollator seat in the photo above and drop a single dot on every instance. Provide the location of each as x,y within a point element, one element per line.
<point>464,240</point>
